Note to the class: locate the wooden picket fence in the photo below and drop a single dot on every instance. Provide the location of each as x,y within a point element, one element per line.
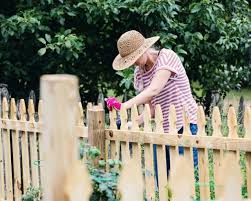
<point>52,140</point>
<point>20,145</point>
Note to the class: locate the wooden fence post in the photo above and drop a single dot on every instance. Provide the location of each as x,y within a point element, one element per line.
<point>64,174</point>
<point>96,129</point>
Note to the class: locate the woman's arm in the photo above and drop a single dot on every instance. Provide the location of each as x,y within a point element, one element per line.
<point>157,84</point>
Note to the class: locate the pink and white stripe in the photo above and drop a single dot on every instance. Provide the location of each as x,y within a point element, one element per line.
<point>177,90</point>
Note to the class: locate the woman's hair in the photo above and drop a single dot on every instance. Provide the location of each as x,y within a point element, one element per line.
<point>153,50</point>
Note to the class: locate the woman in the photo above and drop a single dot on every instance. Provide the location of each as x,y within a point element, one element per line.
<point>159,77</point>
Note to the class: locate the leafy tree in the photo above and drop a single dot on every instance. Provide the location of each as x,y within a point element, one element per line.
<point>212,38</point>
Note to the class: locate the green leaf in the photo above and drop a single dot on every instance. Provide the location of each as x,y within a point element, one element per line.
<point>58,50</point>
<point>196,8</point>
<point>28,198</point>
<point>68,31</point>
<point>127,83</point>
<point>199,35</point>
<point>101,163</point>
<point>48,38</point>
<point>71,14</point>
<point>75,55</point>
<point>42,51</point>
<point>42,40</point>
<point>181,51</point>
<point>68,44</point>
<point>111,163</point>
<point>62,20</point>
<point>120,73</point>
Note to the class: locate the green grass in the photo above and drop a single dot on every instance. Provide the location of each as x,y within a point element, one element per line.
<point>246,93</point>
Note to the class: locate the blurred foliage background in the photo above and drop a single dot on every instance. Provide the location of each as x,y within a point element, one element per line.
<point>212,37</point>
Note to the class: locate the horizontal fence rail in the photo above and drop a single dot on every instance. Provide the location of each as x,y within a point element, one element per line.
<point>20,144</point>
<point>224,157</point>
<point>137,143</point>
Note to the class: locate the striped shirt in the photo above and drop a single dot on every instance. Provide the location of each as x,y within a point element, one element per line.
<point>177,90</point>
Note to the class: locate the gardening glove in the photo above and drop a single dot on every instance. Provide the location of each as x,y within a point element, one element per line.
<point>113,103</point>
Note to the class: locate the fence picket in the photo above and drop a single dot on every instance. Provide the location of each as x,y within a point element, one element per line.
<point>217,154</point>
<point>173,150</point>
<point>203,158</point>
<point>131,182</point>
<point>226,169</point>
<point>88,107</point>
<point>41,156</point>
<point>232,123</point>
<point>159,120</point>
<point>33,146</point>
<point>107,146</point>
<point>148,151</point>
<point>124,145</point>
<point>2,172</point>
<point>188,151</point>
<point>136,147</point>
<point>60,95</point>
<point>7,152</point>
<point>231,178</point>
<point>113,117</point>
<point>232,127</point>
<point>25,148</point>
<point>134,116</point>
<point>2,169</point>
<point>16,152</point>
<point>247,125</point>
<point>161,156</point>
<point>113,150</point>
<point>181,177</point>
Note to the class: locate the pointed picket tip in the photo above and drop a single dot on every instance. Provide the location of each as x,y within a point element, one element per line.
<point>147,118</point>
<point>31,110</point>
<point>5,108</point>
<point>134,117</point>
<point>22,109</point>
<point>113,117</point>
<point>232,123</point>
<point>201,121</point>
<point>186,122</point>
<point>100,105</point>
<point>159,119</point>
<point>172,120</point>
<point>216,122</point>
<point>247,122</point>
<point>158,113</point>
<point>13,109</point>
<point>123,118</point>
<point>89,105</point>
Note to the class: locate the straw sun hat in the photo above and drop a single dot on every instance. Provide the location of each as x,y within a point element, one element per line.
<point>131,45</point>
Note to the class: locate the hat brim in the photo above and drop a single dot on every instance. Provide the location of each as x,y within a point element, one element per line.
<point>121,63</point>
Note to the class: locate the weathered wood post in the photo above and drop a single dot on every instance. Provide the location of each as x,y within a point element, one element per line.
<point>241,110</point>
<point>64,176</point>
<point>96,128</point>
